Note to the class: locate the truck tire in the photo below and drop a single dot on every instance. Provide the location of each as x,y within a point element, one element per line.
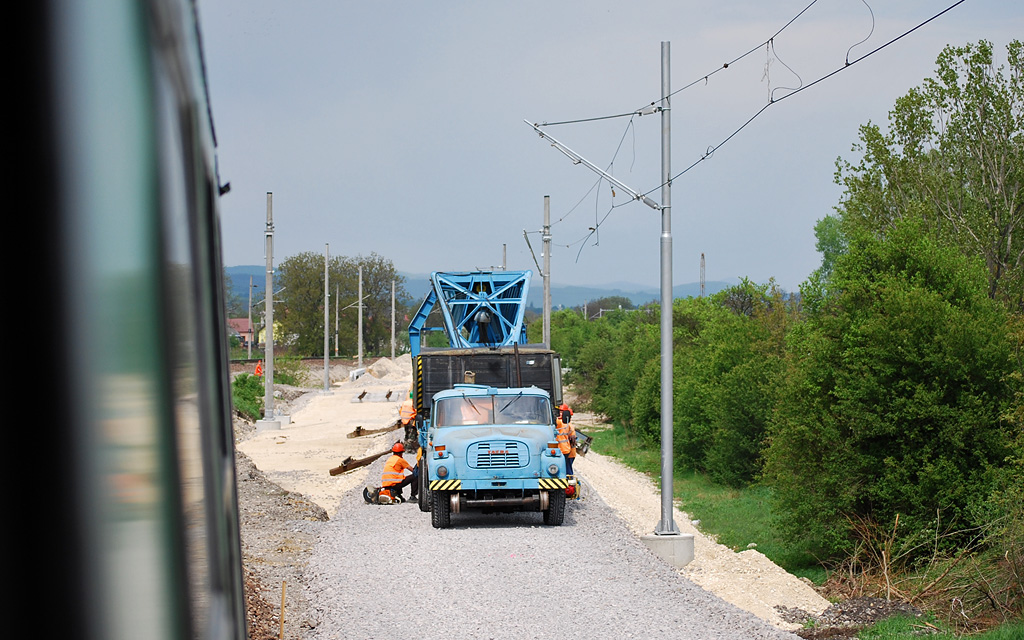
<point>424,492</point>
<point>441,509</point>
<point>555,513</point>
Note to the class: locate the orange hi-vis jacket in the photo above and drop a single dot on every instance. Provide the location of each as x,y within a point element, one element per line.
<point>394,470</point>
<point>407,411</point>
<point>565,431</point>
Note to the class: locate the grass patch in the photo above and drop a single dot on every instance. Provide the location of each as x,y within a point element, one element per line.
<point>905,628</point>
<point>616,442</point>
<point>735,517</point>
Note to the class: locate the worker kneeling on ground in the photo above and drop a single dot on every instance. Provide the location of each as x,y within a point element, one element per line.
<point>393,480</point>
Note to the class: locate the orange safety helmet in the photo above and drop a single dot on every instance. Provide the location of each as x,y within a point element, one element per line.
<point>398,447</point>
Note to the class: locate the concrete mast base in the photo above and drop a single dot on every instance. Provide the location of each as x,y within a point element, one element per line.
<point>674,548</point>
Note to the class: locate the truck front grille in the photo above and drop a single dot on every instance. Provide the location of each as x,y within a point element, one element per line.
<point>498,455</point>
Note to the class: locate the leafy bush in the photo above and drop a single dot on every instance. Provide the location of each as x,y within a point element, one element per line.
<point>289,370</point>
<point>893,397</point>
<point>247,396</point>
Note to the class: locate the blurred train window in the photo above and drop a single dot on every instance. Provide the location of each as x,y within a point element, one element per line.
<point>185,338</point>
<point>151,546</point>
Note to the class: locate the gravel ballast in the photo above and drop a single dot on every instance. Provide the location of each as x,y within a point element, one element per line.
<point>385,572</point>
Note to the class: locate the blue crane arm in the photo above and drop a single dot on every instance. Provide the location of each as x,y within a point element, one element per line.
<point>479,308</point>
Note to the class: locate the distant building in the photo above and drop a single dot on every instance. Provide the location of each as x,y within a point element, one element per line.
<point>243,328</point>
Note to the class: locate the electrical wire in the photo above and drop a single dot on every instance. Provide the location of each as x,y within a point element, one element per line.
<point>647,109</point>
<point>866,38</point>
<point>704,78</point>
<point>773,101</point>
<point>771,92</point>
<point>629,126</point>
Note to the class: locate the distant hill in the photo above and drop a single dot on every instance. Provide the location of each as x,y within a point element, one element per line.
<point>561,295</point>
<point>418,284</point>
<point>240,281</point>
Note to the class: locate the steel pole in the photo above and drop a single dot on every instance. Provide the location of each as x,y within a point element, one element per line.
<point>250,318</point>
<point>392,319</point>
<point>360,329</point>
<point>547,271</point>
<point>667,524</point>
<point>268,370</point>
<point>327,316</point>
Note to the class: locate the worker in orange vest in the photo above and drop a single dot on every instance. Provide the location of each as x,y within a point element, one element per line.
<point>566,411</point>
<point>394,479</point>
<point>566,439</point>
<point>407,411</point>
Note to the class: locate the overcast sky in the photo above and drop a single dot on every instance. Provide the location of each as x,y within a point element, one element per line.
<point>397,127</point>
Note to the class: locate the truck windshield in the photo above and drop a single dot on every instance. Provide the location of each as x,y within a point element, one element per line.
<point>522,410</point>
<point>472,410</point>
<point>457,412</point>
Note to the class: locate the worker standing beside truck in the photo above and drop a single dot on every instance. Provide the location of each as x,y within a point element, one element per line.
<point>566,438</point>
<point>394,479</point>
<point>567,412</point>
<point>407,414</point>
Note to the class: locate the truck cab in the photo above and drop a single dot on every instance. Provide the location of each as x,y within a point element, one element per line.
<point>493,449</point>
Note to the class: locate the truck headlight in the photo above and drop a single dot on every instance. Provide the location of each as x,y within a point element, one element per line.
<point>553,469</point>
<point>442,472</point>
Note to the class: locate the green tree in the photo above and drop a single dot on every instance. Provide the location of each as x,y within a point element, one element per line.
<point>378,275</point>
<point>601,306</point>
<point>894,393</point>
<point>953,158</point>
<point>744,356</point>
<point>830,243</point>
<point>729,352</point>
<point>299,307</point>
<point>300,280</point>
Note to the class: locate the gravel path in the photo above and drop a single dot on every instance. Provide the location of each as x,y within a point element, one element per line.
<point>378,571</point>
<point>384,572</point>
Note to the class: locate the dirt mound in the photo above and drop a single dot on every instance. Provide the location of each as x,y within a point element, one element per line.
<point>845,619</point>
<point>385,368</point>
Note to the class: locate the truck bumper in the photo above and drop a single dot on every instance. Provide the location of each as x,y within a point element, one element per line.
<point>502,484</point>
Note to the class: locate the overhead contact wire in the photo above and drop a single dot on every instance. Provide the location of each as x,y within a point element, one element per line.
<point>773,101</point>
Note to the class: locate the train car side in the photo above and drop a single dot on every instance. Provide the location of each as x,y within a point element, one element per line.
<point>127,326</point>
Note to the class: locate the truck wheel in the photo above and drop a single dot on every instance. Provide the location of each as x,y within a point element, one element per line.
<point>555,513</point>
<point>441,509</point>
<point>424,493</point>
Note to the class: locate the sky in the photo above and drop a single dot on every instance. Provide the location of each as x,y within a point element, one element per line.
<point>397,127</point>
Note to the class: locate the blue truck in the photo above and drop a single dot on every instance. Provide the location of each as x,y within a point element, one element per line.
<point>485,405</point>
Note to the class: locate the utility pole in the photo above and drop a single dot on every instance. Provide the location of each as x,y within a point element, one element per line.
<point>327,324</point>
<point>702,275</point>
<point>268,370</point>
<point>546,236</point>
<point>667,525</point>
<point>666,541</point>
<point>250,318</point>
<point>336,298</point>
<point>392,319</point>
<point>360,329</point>
<point>545,271</point>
